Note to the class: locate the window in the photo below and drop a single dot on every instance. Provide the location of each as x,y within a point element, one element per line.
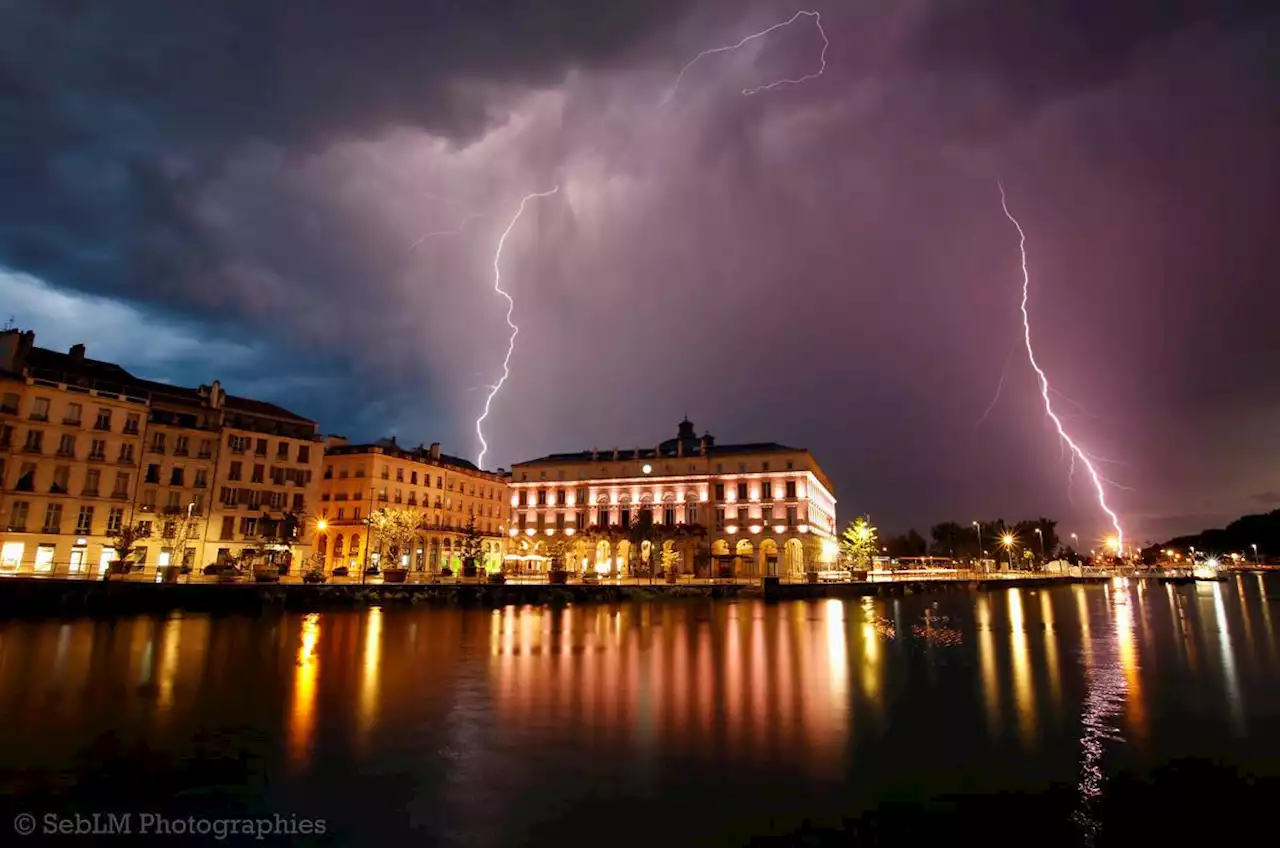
<point>115,519</point>
<point>35,441</point>
<point>341,510</point>
<point>669,515</point>
<point>84,521</point>
<point>298,502</point>
<point>582,519</point>
<point>719,467</point>
<point>766,490</point>
<point>764,466</point>
<point>559,520</point>
<point>691,514</point>
<point>40,409</point>
<point>18,516</point>
<point>542,497</point>
<point>175,476</point>
<point>523,498</point>
<point>197,503</point>
<point>282,450</point>
<point>202,478</point>
<point>206,448</point>
<point>157,442</point>
<point>742,516</point>
<point>61,480</point>
<point>153,474</point>
<point>228,495</point>
<point>67,445</point>
<point>742,491</point>
<point>126,453</point>
<point>260,449</point>
<point>121,488</point>
<point>791,489</point>
<point>255,499</point>
<point>767,514</point>
<point>26,478</point>
<point>98,450</point>
<point>304,454</point>
<point>719,491</point>
<point>53,518</point>
<point>355,514</point>
<point>720,519</point>
<point>248,526</point>
<point>235,472</point>
<point>92,479</point>
<point>9,403</point>
<point>148,500</point>
<point>790,465</point>
<point>180,446</point>
<point>238,444</point>
<point>258,474</point>
<point>399,475</point>
<point>624,517</point>
<point>791,516</point>
<point>413,478</point>
<point>174,502</point>
<point>73,415</point>
<point>276,499</point>
<point>103,421</point>
<point>44,558</point>
<point>439,482</point>
<point>131,423</point>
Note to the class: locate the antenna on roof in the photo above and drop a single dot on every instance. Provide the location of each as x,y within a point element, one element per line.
<point>9,325</point>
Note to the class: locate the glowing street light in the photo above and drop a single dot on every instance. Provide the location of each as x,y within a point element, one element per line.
<point>1008,541</point>
<point>981,552</point>
<point>1255,554</point>
<point>322,524</point>
<point>1040,533</point>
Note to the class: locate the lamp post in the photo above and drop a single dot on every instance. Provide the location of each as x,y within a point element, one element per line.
<point>1040,533</point>
<point>1007,541</point>
<point>978,527</point>
<point>1255,555</point>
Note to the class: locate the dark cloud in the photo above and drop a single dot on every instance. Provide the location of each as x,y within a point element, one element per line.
<point>823,264</point>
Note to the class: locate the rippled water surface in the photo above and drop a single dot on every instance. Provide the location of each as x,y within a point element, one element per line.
<point>666,723</point>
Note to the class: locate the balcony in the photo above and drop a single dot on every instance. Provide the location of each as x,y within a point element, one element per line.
<point>70,453</point>
<point>18,528</point>
<point>199,484</point>
<point>89,492</point>
<point>38,416</point>
<point>51,529</point>
<point>71,422</point>
<point>8,410</point>
<point>156,449</point>
<point>131,430</point>
<point>204,455</point>
<point>57,489</point>
<point>97,457</point>
<point>104,426</point>
<point>181,452</point>
<point>30,448</point>
<point>119,495</point>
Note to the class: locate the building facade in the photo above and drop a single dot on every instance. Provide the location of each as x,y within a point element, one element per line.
<point>747,509</point>
<point>87,448</point>
<point>446,491</point>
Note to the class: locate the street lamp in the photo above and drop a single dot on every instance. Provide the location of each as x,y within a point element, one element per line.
<point>1007,541</point>
<point>1255,554</point>
<point>1040,533</point>
<point>979,529</point>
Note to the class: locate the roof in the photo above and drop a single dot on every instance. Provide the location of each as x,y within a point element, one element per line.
<point>97,371</point>
<point>666,450</point>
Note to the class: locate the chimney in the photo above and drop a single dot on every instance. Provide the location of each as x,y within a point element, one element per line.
<point>77,356</point>
<point>435,450</point>
<point>216,395</point>
<point>679,447</point>
<point>615,453</point>
<point>702,449</point>
<point>333,441</point>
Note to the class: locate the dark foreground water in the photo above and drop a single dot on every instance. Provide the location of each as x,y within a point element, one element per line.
<point>662,724</point>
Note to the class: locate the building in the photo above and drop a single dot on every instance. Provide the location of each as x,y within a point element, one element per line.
<point>447,491</point>
<point>86,448</point>
<point>747,509</point>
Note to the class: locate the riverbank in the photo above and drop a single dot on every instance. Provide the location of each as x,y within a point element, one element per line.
<point>34,597</point>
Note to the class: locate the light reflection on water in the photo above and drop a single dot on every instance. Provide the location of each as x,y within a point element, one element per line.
<point>790,705</point>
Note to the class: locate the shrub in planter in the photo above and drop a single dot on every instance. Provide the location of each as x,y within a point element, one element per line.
<point>340,571</point>
<point>469,569</point>
<point>497,578</point>
<point>395,575</point>
<point>119,567</point>
<point>558,575</point>
<point>811,576</point>
<point>213,569</point>
<point>313,576</point>
<point>446,572</point>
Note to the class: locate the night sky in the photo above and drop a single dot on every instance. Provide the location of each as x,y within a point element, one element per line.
<point>231,190</point>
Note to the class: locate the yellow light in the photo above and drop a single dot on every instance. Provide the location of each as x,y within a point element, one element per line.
<point>322,525</point>
<point>731,529</point>
<point>1007,540</point>
<point>863,532</point>
<point>778,528</point>
<point>529,531</point>
<point>569,531</point>
<point>1113,543</point>
<point>513,531</point>
<point>550,531</point>
<point>829,549</point>
<point>755,528</point>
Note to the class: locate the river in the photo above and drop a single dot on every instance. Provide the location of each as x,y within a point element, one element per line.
<point>643,723</point>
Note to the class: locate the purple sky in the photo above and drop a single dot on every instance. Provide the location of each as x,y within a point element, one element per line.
<point>233,193</point>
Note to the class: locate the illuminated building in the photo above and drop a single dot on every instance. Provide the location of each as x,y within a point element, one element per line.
<point>767,509</point>
<point>446,490</point>
<point>86,447</point>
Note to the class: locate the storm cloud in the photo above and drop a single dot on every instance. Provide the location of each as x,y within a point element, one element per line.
<point>823,265</point>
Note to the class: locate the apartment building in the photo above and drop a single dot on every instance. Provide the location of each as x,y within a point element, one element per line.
<point>448,492</point>
<point>86,448</point>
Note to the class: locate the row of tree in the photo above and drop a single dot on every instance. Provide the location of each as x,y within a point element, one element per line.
<point>961,541</point>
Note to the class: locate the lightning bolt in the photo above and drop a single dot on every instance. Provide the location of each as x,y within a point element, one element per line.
<point>822,59</point>
<point>999,386</point>
<point>1076,452</point>
<point>454,232</point>
<point>515,330</point>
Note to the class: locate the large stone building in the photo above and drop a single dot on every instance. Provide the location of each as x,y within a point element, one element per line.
<point>86,447</point>
<point>447,491</point>
<point>756,509</point>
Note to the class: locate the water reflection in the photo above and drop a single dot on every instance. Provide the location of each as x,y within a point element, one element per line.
<point>306,670</point>
<point>987,658</point>
<point>1228,660</point>
<point>370,674</point>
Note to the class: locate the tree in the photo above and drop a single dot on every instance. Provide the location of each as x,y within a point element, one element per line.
<point>397,528</point>
<point>858,544</point>
<point>911,544</point>
<point>472,543</point>
<point>178,533</point>
<point>124,539</point>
